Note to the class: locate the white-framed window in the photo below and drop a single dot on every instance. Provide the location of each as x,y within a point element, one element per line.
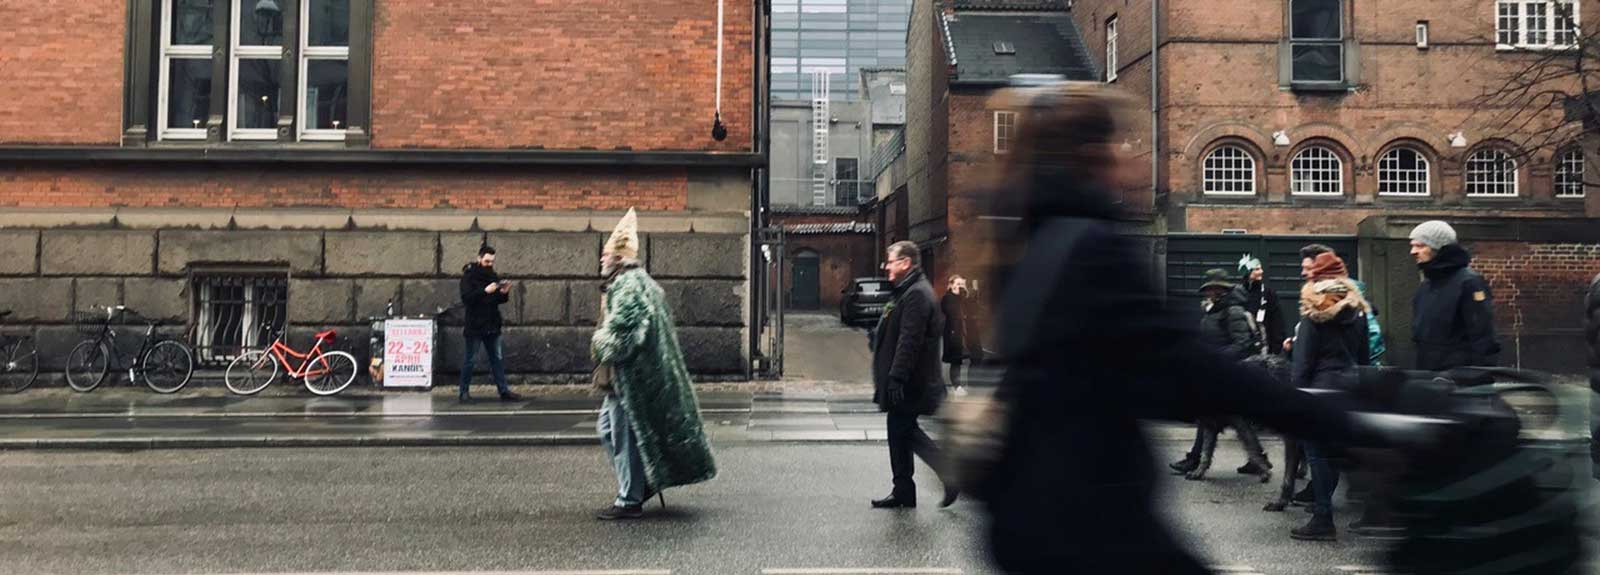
<point>238,312</point>
<point>1229,171</point>
<point>324,69</point>
<point>1403,172</point>
<point>1536,24</point>
<point>257,75</point>
<point>1316,41</point>
<point>1111,49</point>
<point>185,75</point>
<point>1491,173</point>
<point>1005,130</point>
<point>1316,171</point>
<point>1569,174</point>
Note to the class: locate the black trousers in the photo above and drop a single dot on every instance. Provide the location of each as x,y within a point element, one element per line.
<point>906,438</point>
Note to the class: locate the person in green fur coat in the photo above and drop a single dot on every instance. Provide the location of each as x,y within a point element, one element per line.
<point>650,421</point>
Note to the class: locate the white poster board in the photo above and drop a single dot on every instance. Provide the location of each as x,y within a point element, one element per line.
<point>408,353</point>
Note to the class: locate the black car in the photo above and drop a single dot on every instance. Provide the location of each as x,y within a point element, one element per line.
<point>864,299</point>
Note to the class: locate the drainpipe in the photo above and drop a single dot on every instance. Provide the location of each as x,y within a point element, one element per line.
<point>1155,100</point>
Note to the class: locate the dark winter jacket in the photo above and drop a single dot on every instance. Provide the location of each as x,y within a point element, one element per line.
<point>482,309</point>
<point>1226,326</point>
<point>1262,303</point>
<point>1452,320</point>
<point>905,350</point>
<point>1091,351</point>
<point>955,327</point>
<point>1332,336</point>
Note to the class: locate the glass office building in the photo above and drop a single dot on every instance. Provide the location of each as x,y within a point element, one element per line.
<point>837,36</point>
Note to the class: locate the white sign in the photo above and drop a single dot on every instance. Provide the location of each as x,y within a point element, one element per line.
<point>408,353</point>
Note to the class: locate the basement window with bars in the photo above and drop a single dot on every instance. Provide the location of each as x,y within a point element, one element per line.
<point>1536,24</point>
<point>238,312</point>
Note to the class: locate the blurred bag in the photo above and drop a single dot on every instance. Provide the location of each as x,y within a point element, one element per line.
<point>975,429</point>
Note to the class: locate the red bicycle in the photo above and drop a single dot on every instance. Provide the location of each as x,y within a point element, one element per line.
<point>324,372</point>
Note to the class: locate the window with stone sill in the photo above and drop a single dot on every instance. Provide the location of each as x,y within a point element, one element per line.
<point>1316,42</point>
<point>1316,171</point>
<point>269,70</point>
<point>1403,172</point>
<point>1229,171</point>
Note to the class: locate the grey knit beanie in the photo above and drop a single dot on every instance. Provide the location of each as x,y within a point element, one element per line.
<point>1434,234</point>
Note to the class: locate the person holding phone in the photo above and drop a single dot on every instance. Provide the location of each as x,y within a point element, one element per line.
<point>482,294</point>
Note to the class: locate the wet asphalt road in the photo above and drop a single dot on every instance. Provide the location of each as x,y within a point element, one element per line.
<point>775,506</point>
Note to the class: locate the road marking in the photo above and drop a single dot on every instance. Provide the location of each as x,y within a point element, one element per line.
<point>863,571</point>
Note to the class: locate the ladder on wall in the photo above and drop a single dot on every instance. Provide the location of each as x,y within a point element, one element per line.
<point>820,119</point>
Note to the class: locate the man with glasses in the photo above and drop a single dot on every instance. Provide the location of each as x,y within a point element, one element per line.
<point>905,373</point>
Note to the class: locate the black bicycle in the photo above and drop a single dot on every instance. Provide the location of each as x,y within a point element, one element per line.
<point>19,360</point>
<point>164,364</point>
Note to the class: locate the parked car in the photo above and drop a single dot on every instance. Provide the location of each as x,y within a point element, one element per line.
<point>864,299</point>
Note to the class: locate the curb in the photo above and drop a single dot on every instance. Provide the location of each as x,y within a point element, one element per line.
<point>148,443</point>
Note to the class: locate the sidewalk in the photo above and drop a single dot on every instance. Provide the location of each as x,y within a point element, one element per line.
<point>124,417</point>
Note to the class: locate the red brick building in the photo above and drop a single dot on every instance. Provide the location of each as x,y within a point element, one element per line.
<point>299,163</point>
<point>825,248</point>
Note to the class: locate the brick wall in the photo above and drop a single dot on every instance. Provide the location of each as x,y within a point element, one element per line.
<point>651,189</point>
<point>843,257</point>
<point>927,122</point>
<point>1313,219</point>
<point>636,74</point>
<point>61,71</point>
<point>1538,288</point>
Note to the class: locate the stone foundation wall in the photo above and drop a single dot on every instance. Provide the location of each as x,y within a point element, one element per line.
<point>343,267</point>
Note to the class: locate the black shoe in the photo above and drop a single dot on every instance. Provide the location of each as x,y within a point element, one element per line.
<point>951,493</point>
<point>1185,465</point>
<point>509,396</point>
<point>1253,469</point>
<point>614,513</point>
<point>1304,497</point>
<point>892,502</point>
<point>1320,528</point>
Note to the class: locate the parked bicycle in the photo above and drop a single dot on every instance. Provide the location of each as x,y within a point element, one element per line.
<point>19,360</point>
<point>164,364</point>
<point>323,372</point>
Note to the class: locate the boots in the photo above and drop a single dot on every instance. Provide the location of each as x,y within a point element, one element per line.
<point>1185,465</point>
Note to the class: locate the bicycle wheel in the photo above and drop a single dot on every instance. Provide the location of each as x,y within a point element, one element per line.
<point>337,369</point>
<point>251,372</point>
<point>20,367</point>
<point>87,365</point>
<point>168,365</point>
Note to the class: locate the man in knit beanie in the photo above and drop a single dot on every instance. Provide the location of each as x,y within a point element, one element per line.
<point>1452,320</point>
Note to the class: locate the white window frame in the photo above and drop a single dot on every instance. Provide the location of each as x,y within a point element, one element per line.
<point>170,52</point>
<point>1244,161</point>
<point>1111,49</point>
<point>309,53</point>
<point>1565,174</point>
<point>1002,140</point>
<point>1472,169</point>
<point>1385,168</point>
<point>1515,30</point>
<point>240,52</point>
<point>1312,178</point>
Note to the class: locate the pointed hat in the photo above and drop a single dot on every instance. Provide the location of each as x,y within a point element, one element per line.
<point>624,240</point>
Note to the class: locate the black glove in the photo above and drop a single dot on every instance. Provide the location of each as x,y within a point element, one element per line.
<point>897,394</point>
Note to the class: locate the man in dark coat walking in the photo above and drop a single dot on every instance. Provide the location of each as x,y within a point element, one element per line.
<point>1227,328</point>
<point>482,294</point>
<point>1452,320</point>
<point>905,373</point>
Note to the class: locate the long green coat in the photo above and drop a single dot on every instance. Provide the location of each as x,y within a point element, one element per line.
<point>638,338</point>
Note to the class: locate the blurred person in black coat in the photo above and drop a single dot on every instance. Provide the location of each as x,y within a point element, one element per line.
<point>1091,350</point>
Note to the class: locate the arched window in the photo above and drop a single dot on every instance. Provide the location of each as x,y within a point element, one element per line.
<point>1403,172</point>
<point>1491,173</point>
<point>1229,170</point>
<point>1316,171</point>
<point>1569,174</point>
